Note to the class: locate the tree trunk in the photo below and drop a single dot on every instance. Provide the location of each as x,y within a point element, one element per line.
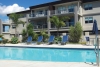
<point>57,32</point>
<point>15,32</point>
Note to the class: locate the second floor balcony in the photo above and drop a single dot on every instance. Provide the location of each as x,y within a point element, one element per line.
<point>44,26</point>
<point>38,14</point>
<point>59,12</point>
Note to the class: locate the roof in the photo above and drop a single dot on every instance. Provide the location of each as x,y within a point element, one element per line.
<point>26,11</point>
<point>51,3</point>
<point>59,2</point>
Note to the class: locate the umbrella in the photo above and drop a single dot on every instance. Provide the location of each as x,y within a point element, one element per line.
<point>95,27</point>
<point>95,31</point>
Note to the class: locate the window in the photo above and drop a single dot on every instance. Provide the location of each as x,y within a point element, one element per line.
<point>40,12</point>
<point>88,19</point>
<point>62,8</point>
<point>71,8</point>
<point>13,26</point>
<point>88,6</point>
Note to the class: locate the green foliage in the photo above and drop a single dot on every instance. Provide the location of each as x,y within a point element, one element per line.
<point>30,30</point>
<point>5,41</point>
<point>14,40</point>
<point>57,39</point>
<point>1,36</point>
<point>24,35</point>
<point>44,34</point>
<point>75,33</point>
<point>83,43</point>
<point>58,22</point>
<point>35,36</point>
<point>15,18</point>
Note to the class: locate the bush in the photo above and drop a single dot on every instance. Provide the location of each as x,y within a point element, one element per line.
<point>44,34</point>
<point>14,40</point>
<point>83,43</point>
<point>57,39</point>
<point>24,35</point>
<point>5,41</point>
<point>75,33</point>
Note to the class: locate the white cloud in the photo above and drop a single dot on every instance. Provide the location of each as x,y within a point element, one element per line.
<point>11,8</point>
<point>6,21</point>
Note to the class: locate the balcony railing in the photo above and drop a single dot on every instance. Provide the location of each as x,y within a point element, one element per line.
<point>38,14</point>
<point>57,12</point>
<point>67,25</point>
<point>44,26</point>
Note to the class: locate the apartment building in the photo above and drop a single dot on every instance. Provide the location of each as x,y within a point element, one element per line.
<point>83,11</point>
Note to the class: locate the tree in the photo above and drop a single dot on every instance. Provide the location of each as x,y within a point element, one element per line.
<point>16,21</point>
<point>75,33</point>
<point>24,35</point>
<point>44,34</point>
<point>30,29</point>
<point>58,22</point>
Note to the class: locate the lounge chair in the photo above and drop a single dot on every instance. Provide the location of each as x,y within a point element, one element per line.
<point>51,39</point>
<point>88,40</point>
<point>29,39</point>
<point>64,39</point>
<point>40,38</point>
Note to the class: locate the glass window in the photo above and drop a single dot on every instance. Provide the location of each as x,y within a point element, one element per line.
<point>88,19</point>
<point>13,26</point>
<point>71,8</point>
<point>88,6</point>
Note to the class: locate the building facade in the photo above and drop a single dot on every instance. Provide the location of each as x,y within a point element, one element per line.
<point>83,11</point>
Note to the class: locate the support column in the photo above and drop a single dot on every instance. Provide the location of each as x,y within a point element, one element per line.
<point>75,14</point>
<point>1,26</point>
<point>48,22</point>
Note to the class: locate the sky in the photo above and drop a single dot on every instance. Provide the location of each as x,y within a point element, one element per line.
<point>10,6</point>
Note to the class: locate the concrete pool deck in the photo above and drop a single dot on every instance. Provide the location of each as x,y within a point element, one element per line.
<point>50,46</point>
<point>13,63</point>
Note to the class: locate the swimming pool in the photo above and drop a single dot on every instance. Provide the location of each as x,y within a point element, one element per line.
<point>47,54</point>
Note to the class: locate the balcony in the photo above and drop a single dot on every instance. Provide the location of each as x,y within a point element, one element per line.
<point>44,26</point>
<point>36,15</point>
<point>59,12</point>
<point>67,25</point>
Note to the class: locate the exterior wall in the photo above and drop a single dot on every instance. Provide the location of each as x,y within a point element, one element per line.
<point>95,10</point>
<point>7,36</point>
<point>88,26</point>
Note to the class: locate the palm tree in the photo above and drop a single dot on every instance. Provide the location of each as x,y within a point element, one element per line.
<point>58,22</point>
<point>15,19</point>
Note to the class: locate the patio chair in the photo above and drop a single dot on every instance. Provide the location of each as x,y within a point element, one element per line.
<point>64,40</point>
<point>88,40</point>
<point>40,39</point>
<point>51,39</point>
<point>29,39</point>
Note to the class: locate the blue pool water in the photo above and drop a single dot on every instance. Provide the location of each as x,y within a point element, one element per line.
<point>47,54</point>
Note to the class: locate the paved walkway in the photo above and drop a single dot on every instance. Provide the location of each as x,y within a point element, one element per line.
<point>13,63</point>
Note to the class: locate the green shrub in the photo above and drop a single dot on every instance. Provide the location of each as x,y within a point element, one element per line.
<point>14,40</point>
<point>24,35</point>
<point>83,43</point>
<point>5,41</point>
<point>57,39</point>
<point>75,33</point>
